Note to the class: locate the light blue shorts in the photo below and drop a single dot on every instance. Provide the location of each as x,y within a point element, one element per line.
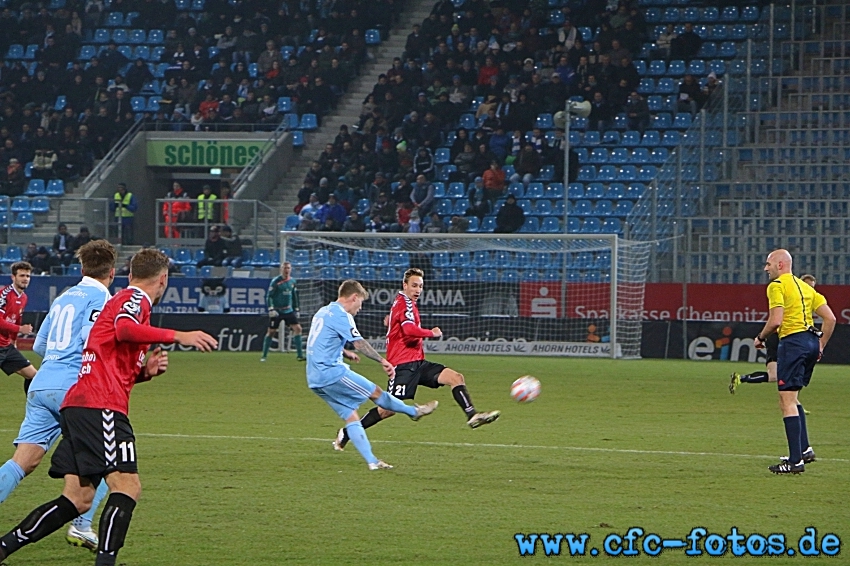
<point>41,422</point>
<point>346,395</point>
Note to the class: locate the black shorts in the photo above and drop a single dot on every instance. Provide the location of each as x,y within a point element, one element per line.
<point>797,355</point>
<point>94,444</point>
<point>11,360</point>
<point>413,374</point>
<point>772,346</point>
<point>288,319</point>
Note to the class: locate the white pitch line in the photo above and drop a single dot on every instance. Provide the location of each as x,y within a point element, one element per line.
<point>470,445</point>
<point>480,445</point>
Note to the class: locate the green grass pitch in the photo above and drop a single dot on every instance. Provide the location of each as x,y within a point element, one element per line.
<point>237,466</point>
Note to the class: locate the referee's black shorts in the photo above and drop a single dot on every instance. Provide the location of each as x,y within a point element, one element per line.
<point>797,355</point>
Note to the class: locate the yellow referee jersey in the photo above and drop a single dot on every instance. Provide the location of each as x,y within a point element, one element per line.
<point>799,300</point>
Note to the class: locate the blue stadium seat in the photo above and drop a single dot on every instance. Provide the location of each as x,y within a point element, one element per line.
<point>115,19</point>
<point>651,138</point>
<point>646,86</point>
<point>591,225</point>
<point>599,155</point>
<point>587,173</point>
<point>624,207</point>
<point>603,207</point>
<point>666,86</point>
<point>615,191</point>
<point>671,139</point>
<point>308,122</point>
<point>368,274</point>
<point>611,137</point>
<point>297,138</point>
<point>321,258</point>
<point>594,191</point>
<point>543,207</point>
<point>607,173</point>
<point>20,204</point>
<point>582,208</point>
<point>647,173</point>
<point>75,270</point>
<point>138,103</point>
<point>591,138</point>
<point>631,138</point>
<point>12,254</point>
<point>639,155</point>
<point>531,225</point>
<point>388,274</point>
<point>442,156</point>
<point>15,52</point>
<point>555,191</point>
<point>373,37</point>
<point>55,188</point>
<point>157,53</point>
<point>488,224</point>
<point>535,191</point>
<point>550,225</point>
<point>189,270</point>
<point>659,155</point>
<point>635,191</point>
<point>284,104</point>
<point>544,122</point>
<point>29,54</point>
<point>657,68</point>
<point>23,221</point>
<point>683,121</point>
<point>137,36</point>
<point>155,37</point>
<point>340,258</point>
<point>35,187</point>
<point>627,173</point>
<point>40,205</point>
<point>662,121</point>
<point>575,191</point>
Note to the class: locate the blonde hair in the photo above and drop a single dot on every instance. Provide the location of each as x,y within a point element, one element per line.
<point>413,272</point>
<point>351,287</point>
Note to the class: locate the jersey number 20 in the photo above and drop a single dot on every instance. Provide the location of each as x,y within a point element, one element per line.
<point>59,335</point>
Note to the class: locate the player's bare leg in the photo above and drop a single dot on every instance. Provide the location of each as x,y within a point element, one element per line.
<point>461,396</point>
<point>26,458</point>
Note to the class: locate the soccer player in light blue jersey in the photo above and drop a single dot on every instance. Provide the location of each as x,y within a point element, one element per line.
<point>332,379</point>
<point>60,342</point>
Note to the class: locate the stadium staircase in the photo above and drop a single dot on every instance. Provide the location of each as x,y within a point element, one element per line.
<point>790,182</point>
<point>284,196</point>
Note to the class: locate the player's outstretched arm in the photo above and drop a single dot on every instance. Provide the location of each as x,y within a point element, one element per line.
<point>197,338</point>
<point>367,350</point>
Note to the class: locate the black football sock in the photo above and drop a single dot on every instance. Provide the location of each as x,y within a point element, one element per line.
<point>461,396</point>
<point>41,522</point>
<point>113,526</point>
<point>755,377</point>
<point>792,433</point>
<point>804,433</point>
<point>371,418</point>
<point>27,383</point>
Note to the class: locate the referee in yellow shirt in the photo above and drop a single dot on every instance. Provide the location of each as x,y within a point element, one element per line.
<point>792,306</point>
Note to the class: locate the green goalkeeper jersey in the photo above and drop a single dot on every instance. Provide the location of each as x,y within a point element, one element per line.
<point>282,295</point>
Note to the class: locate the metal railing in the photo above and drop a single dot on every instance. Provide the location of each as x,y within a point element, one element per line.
<point>252,166</point>
<point>97,174</point>
<point>187,229</point>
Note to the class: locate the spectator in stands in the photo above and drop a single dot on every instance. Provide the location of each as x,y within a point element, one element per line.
<point>493,183</point>
<point>422,196</point>
<point>424,163</point>
<point>526,166</point>
<point>311,207</point>
<point>175,213</point>
<point>601,113</point>
<point>510,217</point>
<point>124,270</point>
<point>478,204</point>
<point>691,97</point>
<point>124,206</point>
<point>32,250</point>
<point>354,223</point>
<point>637,112</point>
<point>233,246</point>
<point>332,211</point>
<point>82,238</point>
<point>42,263</point>
<point>500,144</point>
<point>435,225</point>
<point>14,182</point>
<point>383,209</point>
<point>687,45</point>
<point>215,249</point>
<point>308,223</point>
<point>43,164</point>
<point>63,247</point>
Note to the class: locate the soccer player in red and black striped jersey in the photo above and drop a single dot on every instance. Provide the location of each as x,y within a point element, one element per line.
<point>97,439</point>
<point>405,352</point>
<point>13,300</point>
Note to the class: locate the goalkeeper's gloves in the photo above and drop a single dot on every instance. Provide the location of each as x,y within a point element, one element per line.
<point>272,313</point>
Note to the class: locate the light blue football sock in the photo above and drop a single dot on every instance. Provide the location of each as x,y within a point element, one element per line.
<point>390,403</point>
<point>11,475</point>
<point>360,441</point>
<point>83,522</point>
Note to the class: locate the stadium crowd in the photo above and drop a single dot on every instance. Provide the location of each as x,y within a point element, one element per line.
<point>505,64</point>
<point>72,93</point>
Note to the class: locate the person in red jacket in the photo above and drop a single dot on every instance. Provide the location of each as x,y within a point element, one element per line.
<point>175,212</point>
<point>13,300</point>
<point>404,351</point>
<point>97,438</point>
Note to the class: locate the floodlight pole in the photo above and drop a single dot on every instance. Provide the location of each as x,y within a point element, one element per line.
<point>568,119</point>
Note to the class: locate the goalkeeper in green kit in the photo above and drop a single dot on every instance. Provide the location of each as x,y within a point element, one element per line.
<point>282,302</point>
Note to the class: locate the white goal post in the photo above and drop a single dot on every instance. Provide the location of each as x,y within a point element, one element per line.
<point>511,294</point>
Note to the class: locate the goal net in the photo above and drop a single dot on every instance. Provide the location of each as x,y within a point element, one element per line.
<point>522,294</point>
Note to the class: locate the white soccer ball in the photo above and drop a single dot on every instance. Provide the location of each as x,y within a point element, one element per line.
<point>525,389</point>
